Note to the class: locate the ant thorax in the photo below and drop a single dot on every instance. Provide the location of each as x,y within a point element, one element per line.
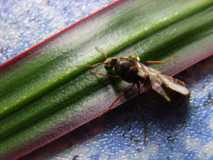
<point>127,70</point>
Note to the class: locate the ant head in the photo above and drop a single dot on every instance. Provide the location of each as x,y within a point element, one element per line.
<point>110,63</point>
<point>134,58</point>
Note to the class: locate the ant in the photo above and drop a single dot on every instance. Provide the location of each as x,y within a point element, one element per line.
<point>131,70</point>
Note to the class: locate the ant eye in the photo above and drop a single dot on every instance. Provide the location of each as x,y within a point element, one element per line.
<point>138,58</point>
<point>113,62</point>
<point>134,58</point>
<point>108,65</point>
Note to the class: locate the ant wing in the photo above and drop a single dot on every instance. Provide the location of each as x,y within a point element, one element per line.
<point>170,82</point>
<point>174,84</point>
<point>156,83</point>
<point>157,80</point>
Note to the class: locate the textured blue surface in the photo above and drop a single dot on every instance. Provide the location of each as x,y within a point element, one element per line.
<point>181,132</point>
<point>23,23</point>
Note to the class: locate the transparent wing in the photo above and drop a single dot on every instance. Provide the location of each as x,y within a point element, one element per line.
<point>156,83</point>
<point>174,84</point>
<point>170,82</point>
<point>159,80</point>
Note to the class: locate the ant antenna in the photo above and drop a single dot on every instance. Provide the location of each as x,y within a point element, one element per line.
<point>102,52</point>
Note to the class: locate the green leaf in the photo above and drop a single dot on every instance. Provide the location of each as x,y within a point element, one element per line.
<point>121,27</point>
<point>53,92</point>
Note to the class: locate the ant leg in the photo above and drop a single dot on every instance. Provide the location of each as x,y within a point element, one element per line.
<point>121,96</point>
<point>141,110</point>
<point>100,75</point>
<point>153,62</point>
<point>95,65</point>
<point>145,130</point>
<point>179,82</point>
<point>138,85</point>
<point>124,58</point>
<point>140,88</point>
<point>102,52</point>
<point>115,101</point>
<point>157,87</point>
